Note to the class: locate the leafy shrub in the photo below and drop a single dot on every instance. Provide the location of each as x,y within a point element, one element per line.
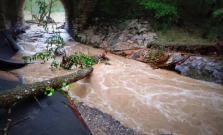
<point>162,9</point>
<point>154,55</point>
<point>218,12</point>
<point>43,56</point>
<point>113,9</point>
<point>78,59</point>
<point>218,16</point>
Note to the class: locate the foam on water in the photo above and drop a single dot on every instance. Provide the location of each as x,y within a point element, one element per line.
<point>179,104</point>
<point>146,100</point>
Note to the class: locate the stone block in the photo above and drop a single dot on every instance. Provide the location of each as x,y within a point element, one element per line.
<point>211,64</point>
<point>218,75</point>
<point>179,68</point>
<point>185,70</point>
<point>198,58</point>
<point>193,64</point>
<point>177,57</point>
<point>219,68</point>
<point>209,69</point>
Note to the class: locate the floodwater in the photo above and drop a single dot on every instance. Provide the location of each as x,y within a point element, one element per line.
<point>146,100</point>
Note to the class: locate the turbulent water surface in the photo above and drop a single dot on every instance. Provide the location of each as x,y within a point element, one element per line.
<point>146,100</point>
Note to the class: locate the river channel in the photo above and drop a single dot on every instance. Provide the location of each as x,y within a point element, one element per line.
<point>148,101</point>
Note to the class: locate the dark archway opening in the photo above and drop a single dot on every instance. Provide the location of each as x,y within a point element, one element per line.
<point>76,13</point>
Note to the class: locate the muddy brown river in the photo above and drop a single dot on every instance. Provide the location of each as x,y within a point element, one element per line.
<point>148,101</point>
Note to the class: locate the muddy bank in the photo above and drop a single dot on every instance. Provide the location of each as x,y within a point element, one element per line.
<point>136,39</point>
<point>102,123</point>
<point>118,36</point>
<point>138,33</point>
<point>209,49</point>
<point>148,100</point>
<point>191,65</point>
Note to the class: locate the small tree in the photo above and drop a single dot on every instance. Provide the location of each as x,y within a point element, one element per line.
<point>51,4</point>
<point>45,8</point>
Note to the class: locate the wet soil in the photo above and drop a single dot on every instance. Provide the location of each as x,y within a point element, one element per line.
<point>102,123</point>
<point>210,50</point>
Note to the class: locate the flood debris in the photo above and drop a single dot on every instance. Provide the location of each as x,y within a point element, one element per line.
<point>9,97</point>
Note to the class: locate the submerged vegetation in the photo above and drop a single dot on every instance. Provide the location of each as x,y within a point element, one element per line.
<point>63,89</point>
<point>78,59</point>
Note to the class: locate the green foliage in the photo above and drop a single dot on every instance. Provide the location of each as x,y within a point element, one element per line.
<point>218,16</point>
<point>154,55</point>
<point>43,56</point>
<point>43,9</point>
<point>49,91</point>
<point>64,89</point>
<point>215,33</point>
<point>32,6</point>
<point>218,12</point>
<point>167,14</point>
<point>17,86</point>
<point>55,64</point>
<point>78,59</point>
<point>107,8</point>
<point>55,39</point>
<point>113,9</point>
<point>163,9</point>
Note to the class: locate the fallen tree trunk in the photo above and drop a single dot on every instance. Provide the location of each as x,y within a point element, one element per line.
<point>9,97</point>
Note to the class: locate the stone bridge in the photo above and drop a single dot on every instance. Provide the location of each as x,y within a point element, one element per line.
<point>77,13</point>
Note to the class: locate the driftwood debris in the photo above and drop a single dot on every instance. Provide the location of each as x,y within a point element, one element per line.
<point>9,97</point>
<point>173,64</point>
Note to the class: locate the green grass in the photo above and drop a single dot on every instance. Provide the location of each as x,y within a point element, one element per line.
<point>180,36</point>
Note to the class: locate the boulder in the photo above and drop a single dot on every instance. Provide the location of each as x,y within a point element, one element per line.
<point>96,39</point>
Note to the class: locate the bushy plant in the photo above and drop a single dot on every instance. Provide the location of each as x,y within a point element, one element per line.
<point>218,15</point>
<point>63,89</point>
<point>155,54</point>
<point>218,12</point>
<point>162,9</point>
<point>78,59</point>
<point>116,9</point>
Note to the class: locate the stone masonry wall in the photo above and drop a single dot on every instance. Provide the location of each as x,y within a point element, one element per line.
<point>204,68</point>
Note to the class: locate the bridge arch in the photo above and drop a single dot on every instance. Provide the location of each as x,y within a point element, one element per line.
<point>76,13</point>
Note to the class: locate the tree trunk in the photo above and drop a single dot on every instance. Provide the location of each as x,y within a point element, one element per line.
<point>50,9</point>
<point>9,97</point>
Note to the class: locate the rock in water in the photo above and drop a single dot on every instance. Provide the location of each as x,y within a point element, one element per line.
<point>60,51</point>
